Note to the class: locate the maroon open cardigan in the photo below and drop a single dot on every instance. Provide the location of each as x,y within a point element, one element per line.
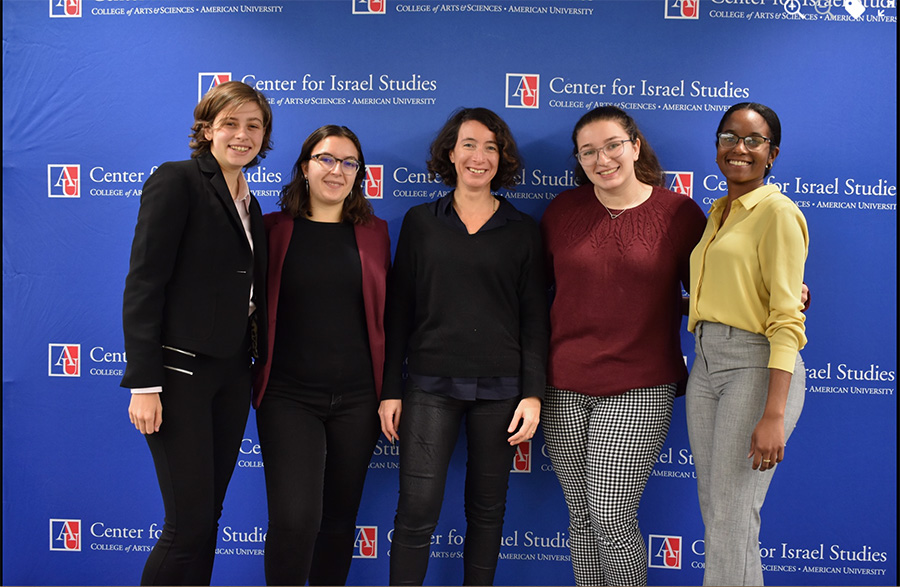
<point>374,244</point>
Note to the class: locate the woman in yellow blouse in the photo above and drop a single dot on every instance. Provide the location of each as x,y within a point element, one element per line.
<point>746,387</point>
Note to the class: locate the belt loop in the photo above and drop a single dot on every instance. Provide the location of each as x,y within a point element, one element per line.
<point>728,331</point>
<point>698,331</point>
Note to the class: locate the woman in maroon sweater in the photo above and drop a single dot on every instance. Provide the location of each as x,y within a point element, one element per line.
<point>618,250</point>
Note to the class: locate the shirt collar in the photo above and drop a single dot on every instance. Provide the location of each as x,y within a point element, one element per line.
<point>443,208</point>
<point>243,190</point>
<point>754,197</point>
<point>748,200</point>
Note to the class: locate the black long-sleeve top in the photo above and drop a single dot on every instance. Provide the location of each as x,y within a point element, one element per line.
<point>467,305</point>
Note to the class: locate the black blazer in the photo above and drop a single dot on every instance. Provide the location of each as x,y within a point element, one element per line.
<point>188,284</point>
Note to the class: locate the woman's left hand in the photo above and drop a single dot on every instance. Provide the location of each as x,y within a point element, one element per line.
<point>767,443</point>
<point>528,413</point>
<point>389,413</point>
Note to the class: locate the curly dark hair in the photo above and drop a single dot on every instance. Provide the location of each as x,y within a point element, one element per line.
<point>439,165</point>
<point>295,195</point>
<point>225,97</point>
<point>647,168</point>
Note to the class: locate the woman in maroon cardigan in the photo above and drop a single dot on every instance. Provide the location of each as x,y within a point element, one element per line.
<point>317,396</point>
<point>618,250</point>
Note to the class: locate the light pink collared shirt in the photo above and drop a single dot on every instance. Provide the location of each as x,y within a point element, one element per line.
<point>242,203</point>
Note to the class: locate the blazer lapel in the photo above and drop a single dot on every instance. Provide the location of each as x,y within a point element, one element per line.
<point>371,253</point>
<point>210,167</point>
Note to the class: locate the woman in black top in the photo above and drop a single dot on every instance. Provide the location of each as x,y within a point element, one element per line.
<point>468,310</point>
<point>317,397</point>
<point>194,294</point>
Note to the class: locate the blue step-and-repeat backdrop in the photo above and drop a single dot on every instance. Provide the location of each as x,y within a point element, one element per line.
<point>98,93</point>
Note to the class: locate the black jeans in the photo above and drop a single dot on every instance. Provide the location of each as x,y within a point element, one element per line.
<point>428,431</point>
<point>316,447</point>
<point>205,405</point>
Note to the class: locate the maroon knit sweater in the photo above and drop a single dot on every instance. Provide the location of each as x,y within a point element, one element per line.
<point>616,318</point>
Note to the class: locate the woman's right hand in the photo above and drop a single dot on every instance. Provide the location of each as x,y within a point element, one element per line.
<point>145,412</point>
<point>389,412</point>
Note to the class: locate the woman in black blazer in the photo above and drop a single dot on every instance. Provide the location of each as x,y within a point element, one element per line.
<point>194,307</point>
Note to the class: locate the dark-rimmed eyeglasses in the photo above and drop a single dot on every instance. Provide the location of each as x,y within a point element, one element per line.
<point>328,161</point>
<point>728,140</point>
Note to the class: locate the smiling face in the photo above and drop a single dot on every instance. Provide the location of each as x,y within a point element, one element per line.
<point>236,136</point>
<point>610,174</point>
<point>330,187</point>
<point>744,169</point>
<point>475,156</point>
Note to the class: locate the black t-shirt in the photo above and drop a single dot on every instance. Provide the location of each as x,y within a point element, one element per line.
<point>321,339</point>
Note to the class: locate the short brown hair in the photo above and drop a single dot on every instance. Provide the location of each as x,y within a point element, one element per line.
<point>224,97</point>
<point>439,165</point>
<point>295,195</point>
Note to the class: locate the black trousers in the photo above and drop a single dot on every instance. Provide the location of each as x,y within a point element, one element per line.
<point>316,447</point>
<point>205,404</point>
<point>429,427</point>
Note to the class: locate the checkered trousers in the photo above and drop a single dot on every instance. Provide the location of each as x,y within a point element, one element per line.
<point>603,450</point>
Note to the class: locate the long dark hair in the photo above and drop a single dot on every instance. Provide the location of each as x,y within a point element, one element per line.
<point>647,168</point>
<point>295,195</point>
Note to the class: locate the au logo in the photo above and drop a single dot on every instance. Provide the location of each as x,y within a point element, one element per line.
<point>65,535</point>
<point>369,6</point>
<point>366,543</point>
<point>64,360</point>
<point>683,9</point>
<point>373,185</point>
<point>64,181</point>
<point>664,552</point>
<point>207,81</point>
<point>522,459</point>
<point>522,90</point>
<point>65,8</point>
<point>681,182</point>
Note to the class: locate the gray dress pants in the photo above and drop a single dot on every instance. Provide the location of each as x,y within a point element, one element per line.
<point>726,396</point>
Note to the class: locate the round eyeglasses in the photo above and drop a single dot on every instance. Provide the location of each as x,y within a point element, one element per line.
<point>611,150</point>
<point>328,161</point>
<point>728,140</point>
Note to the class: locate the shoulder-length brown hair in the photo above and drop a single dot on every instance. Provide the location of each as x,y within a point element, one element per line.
<point>295,195</point>
<point>647,168</point>
<point>225,97</point>
<point>439,165</point>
